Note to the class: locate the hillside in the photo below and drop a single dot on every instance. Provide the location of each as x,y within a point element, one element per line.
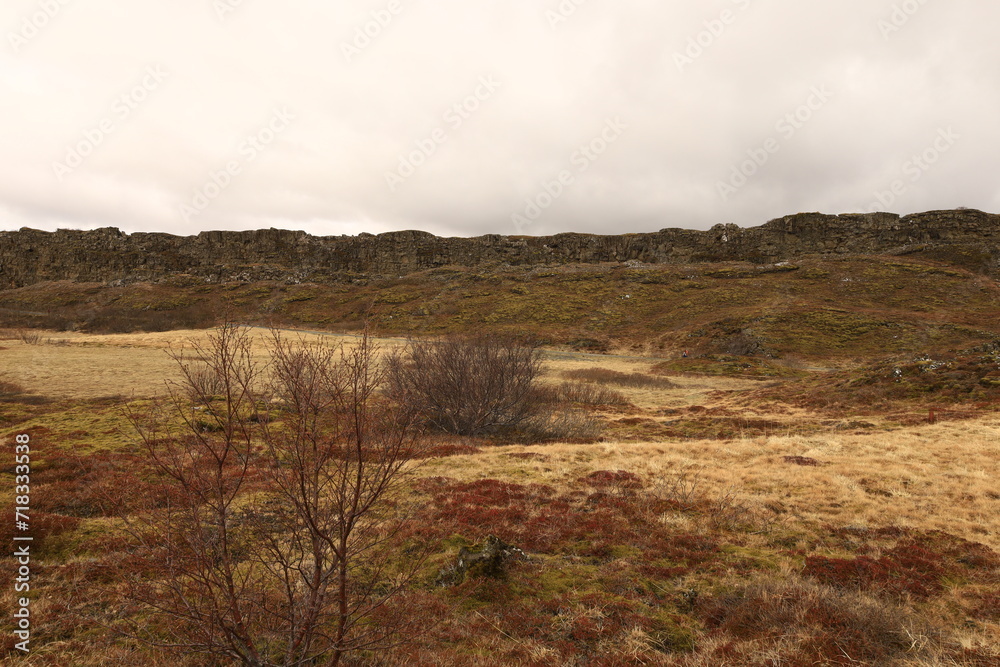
<point>777,445</point>
<point>839,307</point>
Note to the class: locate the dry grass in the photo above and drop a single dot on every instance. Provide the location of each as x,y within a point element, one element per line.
<point>618,378</point>
<point>934,477</point>
<point>754,497</point>
<point>89,366</point>
<point>685,392</point>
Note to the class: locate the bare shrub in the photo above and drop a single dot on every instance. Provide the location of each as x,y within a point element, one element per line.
<point>682,490</point>
<point>730,511</point>
<point>204,382</point>
<point>608,376</point>
<point>582,393</point>
<point>685,491</point>
<point>487,385</point>
<point>28,336</point>
<point>469,386</point>
<point>280,541</point>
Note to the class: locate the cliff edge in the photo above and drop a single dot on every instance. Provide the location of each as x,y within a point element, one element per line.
<point>967,237</point>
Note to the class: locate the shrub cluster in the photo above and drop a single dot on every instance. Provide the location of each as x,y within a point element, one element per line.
<point>488,385</point>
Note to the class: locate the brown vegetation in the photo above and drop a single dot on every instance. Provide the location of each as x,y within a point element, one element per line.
<point>719,522</point>
<point>276,543</point>
<point>487,385</point>
<point>608,376</point>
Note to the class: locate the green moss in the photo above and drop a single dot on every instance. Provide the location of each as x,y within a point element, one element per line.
<point>396,298</point>
<point>90,425</point>
<point>672,633</point>
<point>814,273</point>
<point>302,294</point>
<point>757,559</point>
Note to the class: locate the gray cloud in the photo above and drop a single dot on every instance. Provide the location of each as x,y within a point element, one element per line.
<point>382,88</point>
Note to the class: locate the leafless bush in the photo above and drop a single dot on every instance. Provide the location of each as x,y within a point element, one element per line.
<point>28,336</point>
<point>685,491</point>
<point>608,376</point>
<point>681,489</point>
<point>730,511</point>
<point>204,382</point>
<point>279,544</point>
<point>470,386</point>
<point>487,385</point>
<point>582,393</point>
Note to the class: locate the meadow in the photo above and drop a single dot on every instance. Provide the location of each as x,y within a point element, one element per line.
<point>725,514</point>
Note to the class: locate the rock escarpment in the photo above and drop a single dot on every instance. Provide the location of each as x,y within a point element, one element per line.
<point>965,236</point>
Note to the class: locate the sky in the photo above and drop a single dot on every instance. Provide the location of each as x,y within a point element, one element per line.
<point>464,118</point>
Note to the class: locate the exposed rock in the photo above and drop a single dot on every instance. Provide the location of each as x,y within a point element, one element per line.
<point>967,237</point>
<point>489,559</point>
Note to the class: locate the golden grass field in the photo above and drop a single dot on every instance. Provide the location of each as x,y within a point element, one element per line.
<point>943,476</point>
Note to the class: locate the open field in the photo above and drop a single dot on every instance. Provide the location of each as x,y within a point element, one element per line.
<point>711,523</point>
<point>73,365</point>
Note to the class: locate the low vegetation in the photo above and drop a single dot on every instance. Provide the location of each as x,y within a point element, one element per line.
<point>618,378</point>
<point>488,385</point>
<point>826,308</point>
<point>952,384</point>
<point>616,510</point>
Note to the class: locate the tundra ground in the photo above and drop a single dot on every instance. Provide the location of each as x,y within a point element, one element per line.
<point>726,515</point>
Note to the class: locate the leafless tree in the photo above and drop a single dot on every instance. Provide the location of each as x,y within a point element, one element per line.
<point>278,542</point>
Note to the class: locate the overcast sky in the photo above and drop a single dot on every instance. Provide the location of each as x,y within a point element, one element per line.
<point>511,117</point>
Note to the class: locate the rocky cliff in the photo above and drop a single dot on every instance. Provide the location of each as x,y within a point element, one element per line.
<point>27,256</point>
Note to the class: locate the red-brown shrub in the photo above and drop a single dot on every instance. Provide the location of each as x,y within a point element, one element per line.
<point>831,626</point>
<point>621,479</point>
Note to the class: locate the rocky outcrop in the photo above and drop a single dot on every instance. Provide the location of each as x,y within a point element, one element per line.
<point>106,255</point>
<point>491,558</point>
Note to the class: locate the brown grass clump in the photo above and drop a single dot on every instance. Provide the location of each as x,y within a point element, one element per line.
<point>584,393</point>
<point>812,624</point>
<point>608,376</point>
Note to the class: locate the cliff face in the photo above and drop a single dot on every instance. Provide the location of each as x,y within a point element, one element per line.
<point>106,255</point>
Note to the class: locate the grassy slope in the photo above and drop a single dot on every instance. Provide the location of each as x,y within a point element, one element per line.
<point>846,308</point>
<point>810,519</point>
